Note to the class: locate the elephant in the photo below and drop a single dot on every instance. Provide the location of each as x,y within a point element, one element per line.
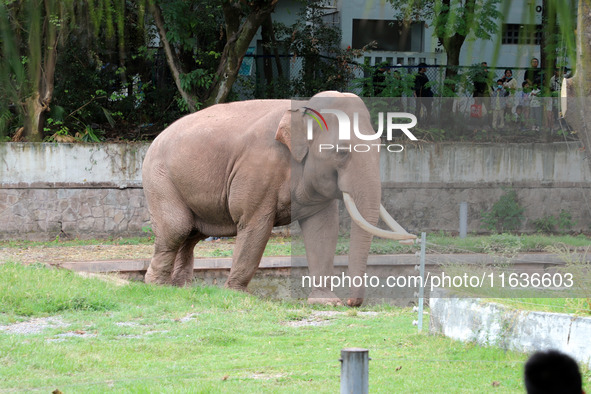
<point>242,168</point>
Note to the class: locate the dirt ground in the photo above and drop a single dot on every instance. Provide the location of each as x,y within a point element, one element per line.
<point>56,254</point>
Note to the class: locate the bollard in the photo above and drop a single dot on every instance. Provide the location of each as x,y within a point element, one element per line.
<point>463,219</point>
<point>354,371</point>
<point>422,287</point>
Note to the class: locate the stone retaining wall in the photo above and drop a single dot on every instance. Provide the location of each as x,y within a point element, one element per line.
<point>94,190</point>
<point>71,191</point>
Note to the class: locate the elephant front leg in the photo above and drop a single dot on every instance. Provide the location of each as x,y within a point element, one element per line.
<point>320,233</point>
<point>248,251</point>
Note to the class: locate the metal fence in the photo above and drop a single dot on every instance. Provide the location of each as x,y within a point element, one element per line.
<point>282,75</point>
<point>454,106</point>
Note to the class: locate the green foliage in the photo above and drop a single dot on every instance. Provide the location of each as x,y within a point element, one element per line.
<point>548,223</point>
<point>91,135</point>
<point>325,65</point>
<point>195,29</point>
<point>458,18</point>
<point>505,244</point>
<point>476,19</point>
<point>33,34</point>
<point>506,215</point>
<point>565,220</point>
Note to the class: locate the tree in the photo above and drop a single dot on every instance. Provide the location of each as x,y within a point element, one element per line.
<point>325,65</point>
<point>32,32</point>
<point>578,87</point>
<point>453,21</point>
<point>191,34</point>
<point>242,22</point>
<point>203,70</point>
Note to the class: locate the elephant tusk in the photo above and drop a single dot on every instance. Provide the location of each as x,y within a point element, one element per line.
<point>393,224</point>
<point>361,222</point>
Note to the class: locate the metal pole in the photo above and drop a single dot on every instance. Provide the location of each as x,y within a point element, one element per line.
<point>422,288</point>
<point>354,371</point>
<point>463,219</point>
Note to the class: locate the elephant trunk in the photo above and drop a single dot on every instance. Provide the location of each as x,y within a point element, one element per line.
<point>368,206</point>
<point>365,214</point>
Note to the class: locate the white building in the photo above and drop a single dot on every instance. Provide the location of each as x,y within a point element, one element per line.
<point>364,21</point>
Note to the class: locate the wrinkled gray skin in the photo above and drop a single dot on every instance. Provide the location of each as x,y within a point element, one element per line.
<point>241,169</point>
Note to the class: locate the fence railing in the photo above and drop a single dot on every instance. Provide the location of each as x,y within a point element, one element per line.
<point>467,95</point>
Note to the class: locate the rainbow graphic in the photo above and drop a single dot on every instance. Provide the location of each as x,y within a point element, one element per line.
<point>316,117</point>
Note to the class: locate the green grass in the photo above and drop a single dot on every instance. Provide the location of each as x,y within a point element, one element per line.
<point>137,338</point>
<point>77,242</point>
<point>284,246</point>
<point>573,306</point>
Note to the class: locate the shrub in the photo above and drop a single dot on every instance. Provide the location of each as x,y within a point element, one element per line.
<point>506,215</point>
<point>547,224</point>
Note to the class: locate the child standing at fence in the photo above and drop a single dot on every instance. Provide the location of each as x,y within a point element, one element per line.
<point>536,108</point>
<point>523,102</point>
<point>498,106</point>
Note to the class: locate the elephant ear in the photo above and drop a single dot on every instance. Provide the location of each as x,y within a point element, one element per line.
<point>290,133</point>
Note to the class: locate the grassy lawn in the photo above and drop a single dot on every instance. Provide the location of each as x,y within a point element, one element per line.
<point>101,335</point>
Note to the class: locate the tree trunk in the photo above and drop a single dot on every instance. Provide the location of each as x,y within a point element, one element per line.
<point>173,62</point>
<point>578,88</point>
<point>37,105</point>
<point>453,48</point>
<point>239,37</point>
<point>270,51</point>
<point>548,44</point>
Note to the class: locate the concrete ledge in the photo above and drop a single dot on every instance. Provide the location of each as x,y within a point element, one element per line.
<point>537,262</point>
<point>487,323</point>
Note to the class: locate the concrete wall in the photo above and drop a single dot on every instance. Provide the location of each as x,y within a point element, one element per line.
<point>424,185</point>
<point>90,190</point>
<point>472,320</point>
<point>71,190</point>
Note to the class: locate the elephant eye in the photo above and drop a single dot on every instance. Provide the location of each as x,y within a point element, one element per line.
<point>343,152</point>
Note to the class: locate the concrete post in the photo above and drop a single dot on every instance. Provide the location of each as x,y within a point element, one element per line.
<point>354,371</point>
<point>422,287</point>
<point>463,219</point>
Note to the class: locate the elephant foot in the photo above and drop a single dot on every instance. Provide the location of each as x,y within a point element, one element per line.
<point>152,278</point>
<point>324,297</point>
<point>236,286</point>
<point>354,302</point>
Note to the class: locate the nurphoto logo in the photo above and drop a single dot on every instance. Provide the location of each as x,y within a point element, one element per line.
<point>392,119</point>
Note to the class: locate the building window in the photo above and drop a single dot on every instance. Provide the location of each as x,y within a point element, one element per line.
<point>514,33</point>
<point>388,35</point>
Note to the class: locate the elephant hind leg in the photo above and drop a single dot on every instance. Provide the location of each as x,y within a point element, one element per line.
<point>173,226</point>
<point>183,263</point>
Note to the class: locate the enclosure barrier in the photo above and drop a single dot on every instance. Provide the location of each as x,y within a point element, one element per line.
<point>421,293</point>
<point>354,371</point>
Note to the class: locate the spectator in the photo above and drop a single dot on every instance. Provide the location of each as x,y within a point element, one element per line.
<point>510,87</point>
<point>423,91</point>
<point>556,81</point>
<point>533,75</point>
<point>421,81</point>
<point>524,99</point>
<point>552,372</point>
<point>509,83</point>
<point>535,105</point>
<point>498,106</point>
<point>379,79</point>
<point>481,81</point>
<point>552,107</point>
